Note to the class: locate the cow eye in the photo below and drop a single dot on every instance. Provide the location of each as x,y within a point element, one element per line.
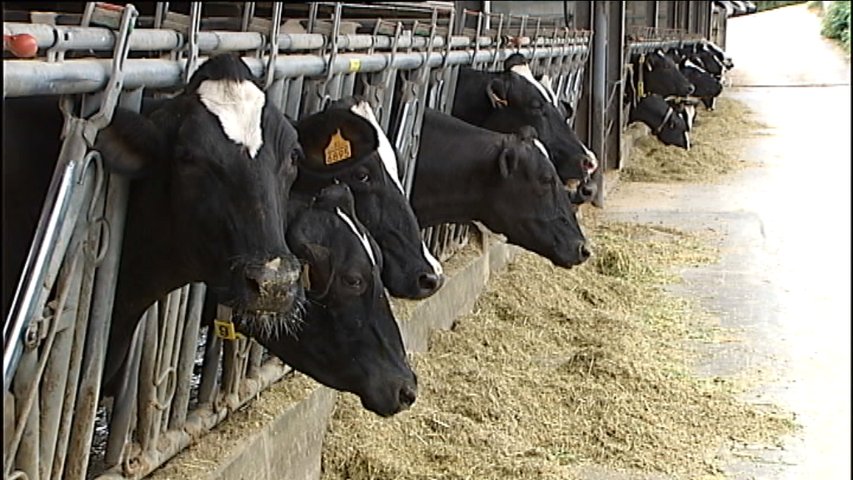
<point>536,104</point>
<point>362,177</point>
<point>352,281</point>
<point>297,155</point>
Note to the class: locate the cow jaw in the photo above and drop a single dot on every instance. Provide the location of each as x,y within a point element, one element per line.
<point>238,106</point>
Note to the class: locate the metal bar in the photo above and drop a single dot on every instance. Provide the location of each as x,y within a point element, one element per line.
<point>29,78</point>
<point>147,378</point>
<point>212,352</point>
<point>125,402</point>
<point>101,314</point>
<point>53,382</point>
<point>180,402</point>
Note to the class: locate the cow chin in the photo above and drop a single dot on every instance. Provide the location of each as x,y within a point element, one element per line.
<point>275,317</point>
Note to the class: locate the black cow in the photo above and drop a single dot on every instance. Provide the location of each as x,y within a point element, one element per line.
<point>660,75</point>
<point>213,169</point>
<point>368,164</point>
<point>669,127</point>
<point>348,338</point>
<point>507,101</point>
<point>466,173</point>
<point>708,87</point>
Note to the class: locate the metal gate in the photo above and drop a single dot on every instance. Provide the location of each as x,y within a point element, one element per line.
<point>186,380</point>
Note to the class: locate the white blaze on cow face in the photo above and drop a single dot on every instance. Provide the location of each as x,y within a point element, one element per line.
<point>238,106</point>
<point>689,64</point>
<point>386,151</point>
<point>361,236</point>
<point>546,82</point>
<point>524,72</point>
<point>541,148</point>
<point>389,161</point>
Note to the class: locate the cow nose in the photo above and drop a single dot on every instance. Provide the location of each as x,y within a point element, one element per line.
<point>429,282</point>
<point>583,252</point>
<point>273,282</point>
<point>407,395</point>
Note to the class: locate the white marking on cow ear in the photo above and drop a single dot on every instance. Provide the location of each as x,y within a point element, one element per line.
<point>361,237</point>
<point>436,267</point>
<point>524,72</point>
<point>541,148</point>
<point>238,106</point>
<point>386,151</point>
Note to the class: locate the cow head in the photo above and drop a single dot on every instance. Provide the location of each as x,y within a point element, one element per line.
<point>518,100</point>
<point>349,339</point>
<point>214,167</point>
<point>547,226</point>
<point>662,119</point>
<point>706,84</point>
<point>661,76</point>
<point>370,170</point>
<point>718,52</point>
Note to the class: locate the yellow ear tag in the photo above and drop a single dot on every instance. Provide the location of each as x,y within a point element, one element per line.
<point>223,327</point>
<point>338,149</point>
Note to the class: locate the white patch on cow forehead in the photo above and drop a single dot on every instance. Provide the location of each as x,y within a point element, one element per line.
<point>689,63</point>
<point>524,72</point>
<point>436,267</point>
<point>386,151</point>
<point>546,82</point>
<point>238,106</point>
<point>541,148</point>
<point>361,237</point>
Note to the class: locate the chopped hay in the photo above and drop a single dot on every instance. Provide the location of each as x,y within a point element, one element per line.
<point>717,148</point>
<point>556,370</point>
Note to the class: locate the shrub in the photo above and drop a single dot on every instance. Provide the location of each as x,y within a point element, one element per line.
<point>836,23</point>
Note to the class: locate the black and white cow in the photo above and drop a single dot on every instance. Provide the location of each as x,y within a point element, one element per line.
<point>663,119</point>
<point>658,74</point>
<point>708,86</point>
<point>368,164</point>
<point>506,181</point>
<point>507,101</point>
<point>348,338</point>
<point>212,170</point>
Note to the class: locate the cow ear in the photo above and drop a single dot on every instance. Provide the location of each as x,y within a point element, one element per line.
<point>497,92</point>
<point>318,261</point>
<point>131,144</point>
<point>507,161</point>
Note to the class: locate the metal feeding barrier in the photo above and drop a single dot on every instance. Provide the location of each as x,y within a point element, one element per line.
<point>181,379</point>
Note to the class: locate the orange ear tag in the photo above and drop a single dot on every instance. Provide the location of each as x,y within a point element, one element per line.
<point>339,149</point>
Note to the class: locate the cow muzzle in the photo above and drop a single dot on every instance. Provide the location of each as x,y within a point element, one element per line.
<point>276,284</point>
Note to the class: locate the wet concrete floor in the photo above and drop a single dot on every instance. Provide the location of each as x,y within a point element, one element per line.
<point>783,281</point>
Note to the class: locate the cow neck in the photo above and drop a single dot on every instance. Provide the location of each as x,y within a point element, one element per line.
<point>450,181</point>
<point>150,268</point>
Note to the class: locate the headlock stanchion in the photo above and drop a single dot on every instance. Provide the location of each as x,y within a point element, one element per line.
<point>181,377</point>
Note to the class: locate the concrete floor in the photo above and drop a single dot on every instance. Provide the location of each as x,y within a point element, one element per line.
<point>784,224</point>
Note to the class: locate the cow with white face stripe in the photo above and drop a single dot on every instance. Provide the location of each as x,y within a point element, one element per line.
<point>707,86</point>
<point>344,143</point>
<point>507,101</point>
<point>348,338</point>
